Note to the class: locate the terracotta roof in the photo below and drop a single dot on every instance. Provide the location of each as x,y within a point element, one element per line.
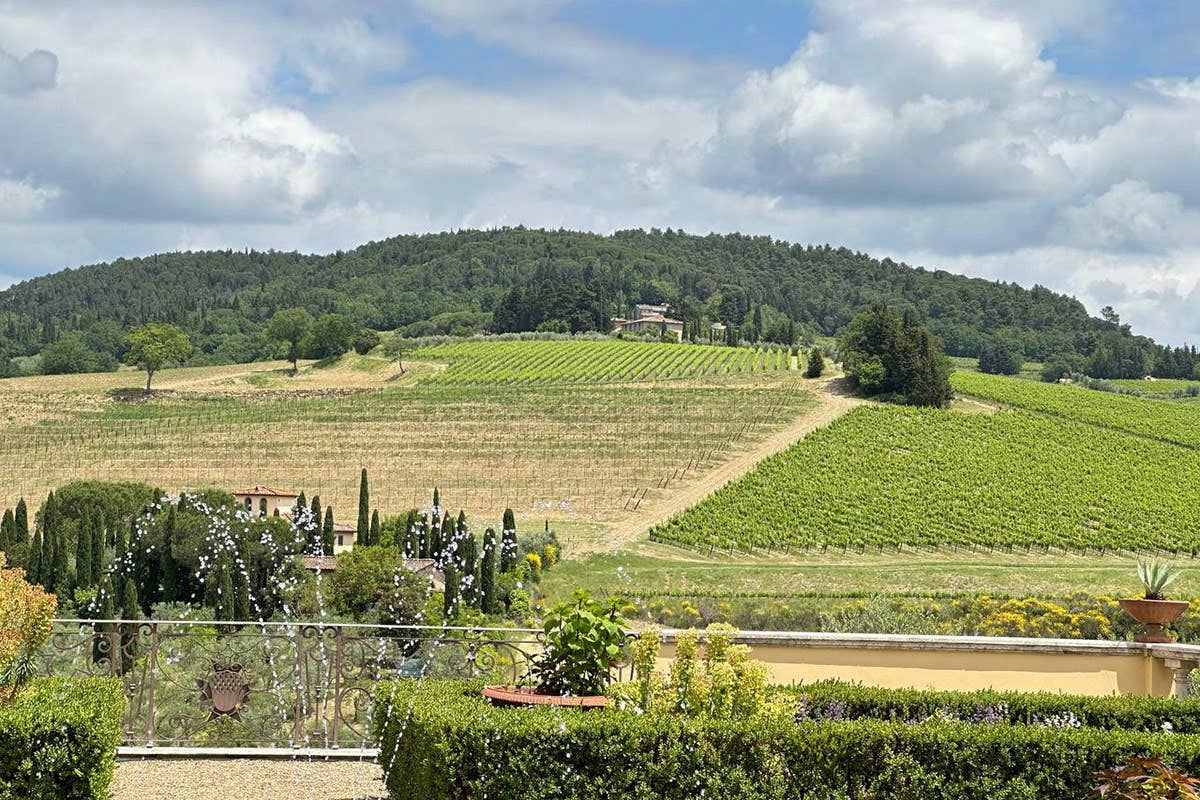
<point>265,491</point>
<point>320,563</point>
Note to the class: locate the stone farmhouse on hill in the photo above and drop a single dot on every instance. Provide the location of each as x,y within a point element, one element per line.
<point>649,317</point>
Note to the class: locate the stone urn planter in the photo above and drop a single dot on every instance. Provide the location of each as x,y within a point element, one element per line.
<point>1154,614</point>
<point>529,696</point>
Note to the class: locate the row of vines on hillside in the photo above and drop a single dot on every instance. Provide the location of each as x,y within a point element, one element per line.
<point>887,477</point>
<point>1178,423</point>
<point>530,362</point>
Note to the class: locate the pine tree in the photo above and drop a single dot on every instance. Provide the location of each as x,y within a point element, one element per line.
<point>362,534</point>
<point>327,532</point>
<point>375,532</point>
<point>508,542</point>
<point>166,561</point>
<point>816,364</point>
<point>450,598</point>
<point>487,573</point>
<point>21,519</point>
<point>83,552</point>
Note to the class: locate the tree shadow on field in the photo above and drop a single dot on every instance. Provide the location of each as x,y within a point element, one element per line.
<point>841,387</point>
<point>132,395</point>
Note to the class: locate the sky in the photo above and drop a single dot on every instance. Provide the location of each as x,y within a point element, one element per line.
<point>1055,143</point>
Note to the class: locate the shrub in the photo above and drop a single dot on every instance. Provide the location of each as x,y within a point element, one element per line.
<point>839,700</point>
<point>58,739</point>
<point>584,640</point>
<point>26,614</point>
<point>441,740</point>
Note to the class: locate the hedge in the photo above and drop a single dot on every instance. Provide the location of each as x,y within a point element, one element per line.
<point>442,741</point>
<point>58,739</point>
<point>841,700</point>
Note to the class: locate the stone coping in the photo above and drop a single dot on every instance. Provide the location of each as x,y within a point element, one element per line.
<point>997,644</point>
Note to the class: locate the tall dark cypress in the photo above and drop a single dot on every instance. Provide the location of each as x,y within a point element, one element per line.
<point>83,552</point>
<point>508,542</point>
<point>450,597</point>
<point>97,550</point>
<point>49,542</point>
<point>8,531</point>
<point>487,573</point>
<point>314,535</point>
<point>327,532</point>
<point>241,595</point>
<point>166,561</point>
<point>129,598</point>
<point>21,519</point>
<point>375,532</point>
<point>301,502</point>
<point>225,595</point>
<point>423,537</point>
<point>448,541</point>
<point>33,569</point>
<point>412,536</point>
<point>468,561</point>
<point>362,534</point>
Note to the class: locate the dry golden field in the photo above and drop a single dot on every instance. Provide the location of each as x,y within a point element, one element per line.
<point>563,452</point>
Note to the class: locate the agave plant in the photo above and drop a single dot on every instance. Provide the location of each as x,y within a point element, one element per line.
<point>1156,576</point>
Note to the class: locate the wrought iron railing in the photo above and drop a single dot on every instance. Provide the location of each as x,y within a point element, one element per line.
<point>273,684</point>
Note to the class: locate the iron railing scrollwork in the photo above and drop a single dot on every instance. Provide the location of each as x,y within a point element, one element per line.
<point>300,685</point>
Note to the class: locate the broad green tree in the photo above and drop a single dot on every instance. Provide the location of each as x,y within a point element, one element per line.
<point>154,345</point>
<point>290,325</point>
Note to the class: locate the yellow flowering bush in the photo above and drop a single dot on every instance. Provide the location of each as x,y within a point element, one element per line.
<point>26,614</point>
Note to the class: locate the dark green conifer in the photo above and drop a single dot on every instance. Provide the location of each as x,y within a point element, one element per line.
<point>487,573</point>
<point>166,561</point>
<point>21,519</point>
<point>362,534</point>
<point>375,531</point>
<point>83,552</point>
<point>450,598</point>
<point>508,542</point>
<point>327,532</point>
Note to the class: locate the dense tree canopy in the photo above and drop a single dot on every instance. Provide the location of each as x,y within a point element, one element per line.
<point>896,359</point>
<point>998,357</point>
<point>519,279</point>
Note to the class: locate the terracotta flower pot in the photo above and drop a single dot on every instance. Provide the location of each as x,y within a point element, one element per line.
<point>529,696</point>
<point>1154,614</point>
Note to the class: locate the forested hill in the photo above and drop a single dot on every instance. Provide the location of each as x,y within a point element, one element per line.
<point>520,279</point>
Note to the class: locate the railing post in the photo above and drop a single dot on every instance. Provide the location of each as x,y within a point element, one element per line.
<point>301,685</point>
<point>151,681</point>
<point>337,683</point>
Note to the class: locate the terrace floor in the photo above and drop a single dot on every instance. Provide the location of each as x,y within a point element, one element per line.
<point>247,779</point>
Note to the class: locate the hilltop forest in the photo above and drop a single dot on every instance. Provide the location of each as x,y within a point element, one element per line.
<point>516,279</point>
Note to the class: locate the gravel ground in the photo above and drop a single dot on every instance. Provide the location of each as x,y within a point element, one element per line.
<point>247,779</point>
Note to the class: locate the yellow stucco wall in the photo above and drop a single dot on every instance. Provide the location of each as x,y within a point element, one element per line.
<point>963,670</point>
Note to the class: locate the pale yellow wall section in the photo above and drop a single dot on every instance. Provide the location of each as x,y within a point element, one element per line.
<point>1028,665</point>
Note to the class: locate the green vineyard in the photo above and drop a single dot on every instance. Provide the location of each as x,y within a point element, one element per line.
<point>1170,422</point>
<point>883,477</point>
<point>541,362</point>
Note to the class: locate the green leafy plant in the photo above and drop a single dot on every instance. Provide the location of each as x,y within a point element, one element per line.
<point>1145,779</point>
<point>585,639</point>
<point>1157,576</point>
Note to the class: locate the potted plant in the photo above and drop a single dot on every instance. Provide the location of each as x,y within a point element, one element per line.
<point>584,641</point>
<point>1154,610</point>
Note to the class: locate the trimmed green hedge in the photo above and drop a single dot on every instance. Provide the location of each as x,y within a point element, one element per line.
<point>58,739</point>
<point>840,700</point>
<point>442,741</point>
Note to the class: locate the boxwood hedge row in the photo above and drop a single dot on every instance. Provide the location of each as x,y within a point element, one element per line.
<point>58,739</point>
<point>441,740</point>
<point>839,700</point>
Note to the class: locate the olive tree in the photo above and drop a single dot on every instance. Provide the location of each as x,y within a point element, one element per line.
<point>290,325</point>
<point>154,345</point>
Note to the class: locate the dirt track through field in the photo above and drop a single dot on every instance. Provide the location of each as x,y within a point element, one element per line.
<point>833,400</point>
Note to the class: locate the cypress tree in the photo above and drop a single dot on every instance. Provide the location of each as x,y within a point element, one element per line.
<point>225,596</point>
<point>129,598</point>
<point>8,531</point>
<point>83,552</point>
<point>375,532</point>
<point>33,570</point>
<point>448,542</point>
<point>49,528</point>
<point>469,560</point>
<point>241,595</point>
<point>487,573</point>
<point>412,536</point>
<point>327,532</point>
<point>423,537</point>
<point>301,502</point>
<point>166,561</point>
<point>508,542</point>
<point>60,562</point>
<point>97,551</point>
<point>21,520</point>
<point>450,598</point>
<point>362,534</point>
<point>816,364</point>
<point>314,534</point>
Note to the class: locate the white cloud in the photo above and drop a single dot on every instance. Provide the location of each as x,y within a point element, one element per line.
<point>22,199</point>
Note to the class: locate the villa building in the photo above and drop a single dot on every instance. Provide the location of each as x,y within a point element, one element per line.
<point>649,317</point>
